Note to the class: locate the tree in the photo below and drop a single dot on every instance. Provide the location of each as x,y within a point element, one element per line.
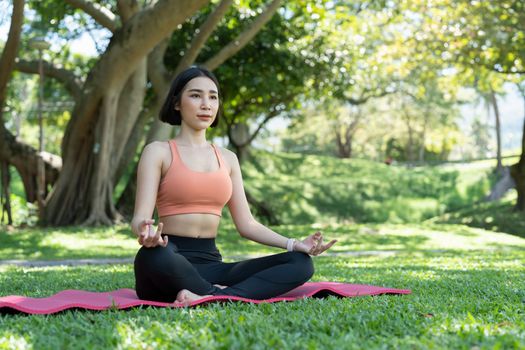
<point>7,60</point>
<point>109,100</point>
<point>518,170</point>
<point>480,35</point>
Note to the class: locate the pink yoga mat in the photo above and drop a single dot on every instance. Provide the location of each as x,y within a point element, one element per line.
<point>126,298</point>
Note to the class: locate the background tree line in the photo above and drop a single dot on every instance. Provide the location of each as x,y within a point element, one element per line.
<point>373,78</point>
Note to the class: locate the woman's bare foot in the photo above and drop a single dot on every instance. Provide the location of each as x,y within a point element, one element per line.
<point>185,297</point>
<point>220,286</point>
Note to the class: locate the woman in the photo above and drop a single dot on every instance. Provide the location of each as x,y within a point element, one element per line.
<point>190,181</point>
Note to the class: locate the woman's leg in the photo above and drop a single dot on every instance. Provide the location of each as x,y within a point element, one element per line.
<point>161,272</point>
<point>260,278</point>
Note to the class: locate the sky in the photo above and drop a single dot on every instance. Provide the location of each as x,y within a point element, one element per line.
<point>511,105</point>
<point>511,113</point>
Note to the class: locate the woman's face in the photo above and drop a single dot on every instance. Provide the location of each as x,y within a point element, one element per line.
<point>199,103</point>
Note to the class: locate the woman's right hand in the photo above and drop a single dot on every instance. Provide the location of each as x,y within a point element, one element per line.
<point>148,236</point>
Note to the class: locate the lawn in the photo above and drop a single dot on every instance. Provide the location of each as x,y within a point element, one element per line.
<point>422,228</point>
<point>468,292</point>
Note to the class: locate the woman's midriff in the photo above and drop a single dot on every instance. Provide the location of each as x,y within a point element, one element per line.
<point>191,225</point>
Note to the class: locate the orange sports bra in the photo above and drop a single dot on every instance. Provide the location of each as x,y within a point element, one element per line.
<point>184,191</point>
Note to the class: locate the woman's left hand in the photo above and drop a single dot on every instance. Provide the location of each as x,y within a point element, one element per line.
<point>313,244</point>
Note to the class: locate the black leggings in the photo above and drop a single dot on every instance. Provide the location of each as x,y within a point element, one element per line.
<point>195,264</point>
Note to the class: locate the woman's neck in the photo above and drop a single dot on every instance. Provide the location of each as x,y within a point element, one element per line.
<point>192,138</point>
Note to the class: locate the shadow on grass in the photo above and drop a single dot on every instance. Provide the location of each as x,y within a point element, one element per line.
<point>67,242</point>
<point>499,217</point>
<point>42,282</point>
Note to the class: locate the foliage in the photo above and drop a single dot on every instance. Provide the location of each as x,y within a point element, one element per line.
<point>319,51</point>
<point>304,189</point>
<point>373,58</point>
<point>480,33</point>
<point>273,73</point>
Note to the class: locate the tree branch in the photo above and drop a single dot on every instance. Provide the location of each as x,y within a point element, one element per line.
<point>127,8</point>
<point>67,77</point>
<point>7,61</point>
<point>363,99</point>
<point>101,14</point>
<point>236,45</point>
<point>24,158</point>
<point>518,72</point>
<point>203,33</point>
<point>157,72</point>
<point>137,37</point>
<point>269,116</point>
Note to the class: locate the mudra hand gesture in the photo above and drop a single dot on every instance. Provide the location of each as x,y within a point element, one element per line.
<point>149,237</point>
<point>313,244</point>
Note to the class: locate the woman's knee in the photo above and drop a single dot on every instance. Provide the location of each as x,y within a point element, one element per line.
<point>157,259</point>
<point>303,265</point>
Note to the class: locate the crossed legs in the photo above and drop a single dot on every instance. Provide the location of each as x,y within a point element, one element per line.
<point>163,274</point>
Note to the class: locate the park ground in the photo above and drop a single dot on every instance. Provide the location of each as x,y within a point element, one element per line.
<point>465,269</point>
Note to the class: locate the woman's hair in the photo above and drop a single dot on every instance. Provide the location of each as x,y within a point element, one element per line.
<point>168,113</point>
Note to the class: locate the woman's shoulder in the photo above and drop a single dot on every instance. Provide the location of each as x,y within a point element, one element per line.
<point>226,152</point>
<point>156,149</point>
<point>158,145</point>
<point>229,156</point>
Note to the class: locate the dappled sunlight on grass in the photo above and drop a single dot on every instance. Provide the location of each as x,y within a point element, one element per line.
<point>68,243</point>
<point>117,242</point>
<point>8,340</point>
<point>494,216</point>
<point>44,281</point>
<point>95,244</point>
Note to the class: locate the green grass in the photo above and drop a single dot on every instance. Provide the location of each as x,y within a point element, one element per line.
<point>467,276</point>
<point>468,292</point>
<point>67,243</point>
<point>495,216</point>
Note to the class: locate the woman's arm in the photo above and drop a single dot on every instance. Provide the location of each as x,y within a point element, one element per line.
<point>148,177</point>
<point>249,228</point>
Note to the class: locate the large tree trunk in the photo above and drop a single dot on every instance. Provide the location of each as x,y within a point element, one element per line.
<point>518,170</point>
<point>494,102</point>
<point>345,132</point>
<point>7,62</point>
<point>343,141</point>
<point>423,136</point>
<point>25,159</point>
<point>505,183</point>
<point>129,108</point>
<point>410,132</point>
<point>239,134</point>
<point>83,193</point>
<point>5,202</point>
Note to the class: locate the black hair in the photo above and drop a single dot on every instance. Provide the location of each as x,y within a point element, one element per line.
<point>168,113</point>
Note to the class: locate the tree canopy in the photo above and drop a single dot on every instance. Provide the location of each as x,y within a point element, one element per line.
<point>373,78</point>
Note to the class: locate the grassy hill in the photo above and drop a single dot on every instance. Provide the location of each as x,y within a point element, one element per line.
<point>304,189</point>
<point>308,189</point>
